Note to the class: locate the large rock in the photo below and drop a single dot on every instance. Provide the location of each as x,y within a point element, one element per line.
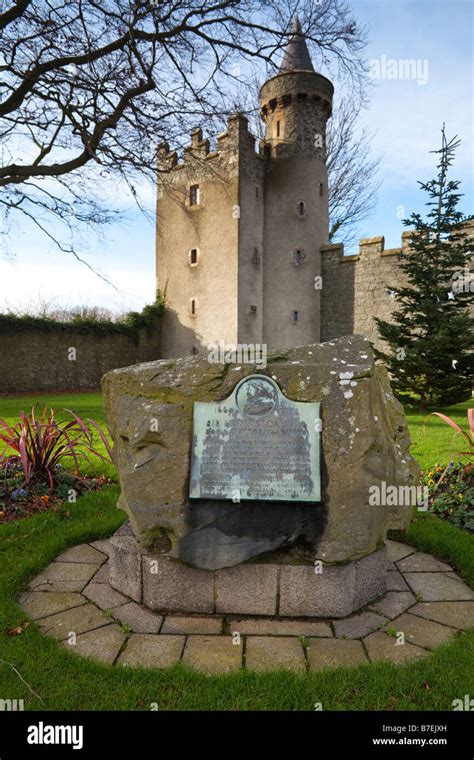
<point>365,442</point>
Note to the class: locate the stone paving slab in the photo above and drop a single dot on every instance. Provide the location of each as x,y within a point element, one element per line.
<point>103,595</point>
<point>40,604</point>
<point>396,550</point>
<point>77,620</point>
<point>438,587</point>
<point>73,595</point>
<point>65,576</point>
<point>332,653</point>
<point>103,575</point>
<point>212,654</point>
<point>421,562</point>
<point>264,653</point>
<point>192,625</point>
<point>422,632</point>
<point>396,581</point>
<point>145,650</point>
<point>394,603</point>
<point>102,644</point>
<point>103,545</point>
<point>140,619</point>
<point>82,553</point>
<point>358,626</point>
<point>456,614</point>
<point>381,646</point>
<point>268,627</point>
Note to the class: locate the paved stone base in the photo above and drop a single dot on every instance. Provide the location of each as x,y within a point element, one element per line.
<point>73,601</point>
<point>287,590</point>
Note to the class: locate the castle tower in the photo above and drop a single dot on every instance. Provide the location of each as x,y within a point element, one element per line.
<point>239,231</point>
<point>295,106</point>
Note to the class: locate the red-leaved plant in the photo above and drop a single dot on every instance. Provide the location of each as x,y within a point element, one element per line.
<point>468,436</point>
<point>39,444</point>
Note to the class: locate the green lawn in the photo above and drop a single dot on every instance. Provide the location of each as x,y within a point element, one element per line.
<point>433,441</point>
<point>66,682</point>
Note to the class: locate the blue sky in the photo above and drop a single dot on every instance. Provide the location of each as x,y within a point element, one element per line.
<point>405,117</point>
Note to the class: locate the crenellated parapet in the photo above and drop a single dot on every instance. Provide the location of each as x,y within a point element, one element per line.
<point>233,146</point>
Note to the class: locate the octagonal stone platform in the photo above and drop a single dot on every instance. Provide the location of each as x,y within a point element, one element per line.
<point>426,601</point>
<point>252,588</point>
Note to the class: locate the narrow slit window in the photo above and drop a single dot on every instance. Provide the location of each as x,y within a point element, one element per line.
<point>194,195</point>
<point>295,315</point>
<point>301,208</point>
<point>278,129</point>
<point>193,256</point>
<point>193,306</point>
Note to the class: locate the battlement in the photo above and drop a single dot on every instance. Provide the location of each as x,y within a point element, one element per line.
<point>230,144</point>
<point>375,246</point>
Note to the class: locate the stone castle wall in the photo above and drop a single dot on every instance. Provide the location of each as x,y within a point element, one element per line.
<point>357,288</point>
<point>34,359</point>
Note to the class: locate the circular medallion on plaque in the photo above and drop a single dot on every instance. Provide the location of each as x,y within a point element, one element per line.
<point>256,396</point>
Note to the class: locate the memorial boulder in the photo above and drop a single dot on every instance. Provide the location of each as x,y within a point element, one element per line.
<point>233,473</point>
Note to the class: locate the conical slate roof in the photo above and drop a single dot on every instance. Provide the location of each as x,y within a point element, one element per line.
<point>296,56</point>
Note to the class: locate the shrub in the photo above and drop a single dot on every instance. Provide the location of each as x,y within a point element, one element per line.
<point>35,449</point>
<point>451,493</point>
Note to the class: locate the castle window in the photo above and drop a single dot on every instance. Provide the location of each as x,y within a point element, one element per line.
<point>193,257</point>
<point>273,104</point>
<point>278,129</point>
<point>286,100</point>
<point>302,96</point>
<point>193,306</point>
<point>295,316</point>
<point>194,350</point>
<point>301,208</point>
<point>255,257</point>
<point>298,256</point>
<point>321,188</point>
<point>253,309</point>
<point>194,195</point>
<point>257,191</point>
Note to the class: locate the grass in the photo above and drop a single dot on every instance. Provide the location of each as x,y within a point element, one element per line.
<point>66,682</point>
<point>433,441</point>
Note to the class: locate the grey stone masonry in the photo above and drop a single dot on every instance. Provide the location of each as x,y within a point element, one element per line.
<point>166,584</point>
<point>131,635</point>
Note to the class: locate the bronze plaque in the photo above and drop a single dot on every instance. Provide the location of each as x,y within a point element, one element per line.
<point>256,445</point>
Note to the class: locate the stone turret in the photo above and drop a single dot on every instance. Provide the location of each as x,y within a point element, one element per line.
<point>295,106</point>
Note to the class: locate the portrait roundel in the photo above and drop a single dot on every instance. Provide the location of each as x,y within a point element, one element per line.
<point>256,396</point>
